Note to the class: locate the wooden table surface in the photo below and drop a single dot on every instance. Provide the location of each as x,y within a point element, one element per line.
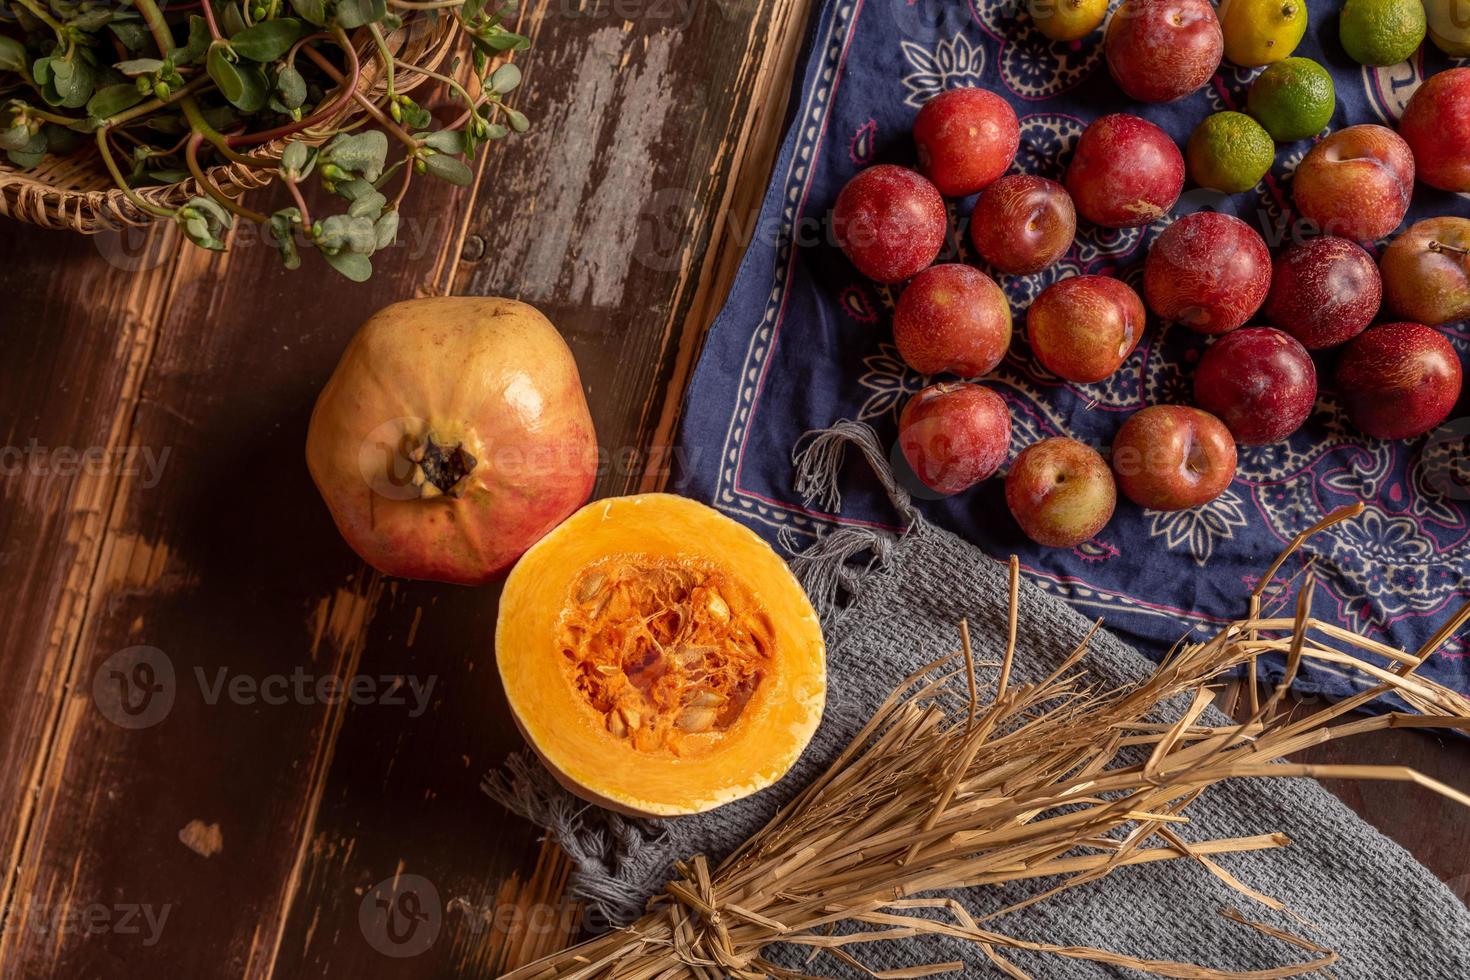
<point>153,409</point>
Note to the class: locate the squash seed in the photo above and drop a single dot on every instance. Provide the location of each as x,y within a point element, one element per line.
<point>695,719</point>
<point>590,586</point>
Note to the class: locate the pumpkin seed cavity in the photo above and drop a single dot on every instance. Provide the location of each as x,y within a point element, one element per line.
<point>666,650</point>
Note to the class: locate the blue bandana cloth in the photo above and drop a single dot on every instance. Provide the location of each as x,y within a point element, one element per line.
<point>805,340</point>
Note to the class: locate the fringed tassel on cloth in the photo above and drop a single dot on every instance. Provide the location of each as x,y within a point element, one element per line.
<point>616,861</point>
<point>830,569</point>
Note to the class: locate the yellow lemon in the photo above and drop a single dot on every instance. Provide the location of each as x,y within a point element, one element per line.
<point>1067,20</point>
<point>1262,32</point>
<point>1449,26</point>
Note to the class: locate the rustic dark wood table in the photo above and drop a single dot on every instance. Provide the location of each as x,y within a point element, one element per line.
<point>153,404</point>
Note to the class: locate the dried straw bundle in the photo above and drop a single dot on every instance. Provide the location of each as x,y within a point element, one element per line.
<point>941,792</point>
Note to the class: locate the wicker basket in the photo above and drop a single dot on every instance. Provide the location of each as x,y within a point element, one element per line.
<point>76,191</point>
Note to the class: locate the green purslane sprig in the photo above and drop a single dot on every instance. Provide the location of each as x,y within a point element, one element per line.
<point>165,96</point>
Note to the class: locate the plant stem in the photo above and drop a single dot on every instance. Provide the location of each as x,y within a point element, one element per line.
<point>144,205</point>
<point>295,190</point>
<point>191,158</point>
<point>393,129</point>
<point>385,57</point>
<point>1443,249</point>
<point>200,125</point>
<point>347,88</point>
<point>144,108</point>
<point>208,9</point>
<point>44,16</point>
<point>403,187</point>
<point>453,84</point>
<point>157,26</point>
<point>52,117</point>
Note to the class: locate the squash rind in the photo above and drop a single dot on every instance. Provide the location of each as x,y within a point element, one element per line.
<point>570,736</point>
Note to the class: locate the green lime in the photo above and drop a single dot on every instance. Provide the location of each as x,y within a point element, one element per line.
<point>1382,32</point>
<point>1294,99</point>
<point>1229,152</point>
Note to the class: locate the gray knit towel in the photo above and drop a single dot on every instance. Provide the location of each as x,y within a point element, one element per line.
<point>1361,894</point>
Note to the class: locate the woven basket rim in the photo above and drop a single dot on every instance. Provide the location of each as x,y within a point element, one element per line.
<point>56,194</point>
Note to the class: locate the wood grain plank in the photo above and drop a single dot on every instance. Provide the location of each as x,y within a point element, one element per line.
<point>610,217</point>
<point>70,380</point>
<point>229,563</point>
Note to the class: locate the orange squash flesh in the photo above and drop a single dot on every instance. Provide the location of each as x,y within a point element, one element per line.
<point>660,657</point>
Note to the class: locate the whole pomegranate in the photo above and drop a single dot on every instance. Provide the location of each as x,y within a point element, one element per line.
<point>452,436</point>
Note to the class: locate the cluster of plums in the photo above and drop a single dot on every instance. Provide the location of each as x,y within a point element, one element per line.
<point>1210,272</point>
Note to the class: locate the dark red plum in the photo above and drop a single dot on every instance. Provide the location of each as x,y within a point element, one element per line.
<point>1259,381</point>
<point>890,222</point>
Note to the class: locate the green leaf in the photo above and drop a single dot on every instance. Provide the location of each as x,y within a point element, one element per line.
<point>32,153</point>
<point>518,122</point>
<point>283,230</point>
<point>445,141</point>
<point>198,45</point>
<point>505,79</point>
<point>358,268</point>
<point>15,138</point>
<point>169,125</point>
<point>167,176</point>
<point>12,55</point>
<point>75,83</point>
<point>243,87</point>
<point>369,206</point>
<point>357,13</point>
<point>501,40</point>
<point>41,71</point>
<point>350,232</point>
<point>25,159</point>
<point>450,168</point>
<point>362,153</point>
<point>221,117</point>
<point>386,229</point>
<point>113,99</point>
<point>311,11</point>
<point>134,36</point>
<point>225,74</point>
<point>234,20</point>
<point>353,189</point>
<point>290,87</point>
<point>91,20</point>
<point>139,66</point>
<point>60,139</point>
<point>257,89</point>
<point>297,158</point>
<point>267,40</point>
<point>416,116</point>
<point>213,210</point>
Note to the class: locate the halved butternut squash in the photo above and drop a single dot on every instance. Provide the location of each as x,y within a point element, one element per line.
<point>660,657</point>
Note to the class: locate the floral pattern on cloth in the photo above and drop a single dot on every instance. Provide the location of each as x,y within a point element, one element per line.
<point>804,341</point>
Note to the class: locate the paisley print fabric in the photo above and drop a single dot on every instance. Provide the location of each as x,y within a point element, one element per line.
<point>805,340</point>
